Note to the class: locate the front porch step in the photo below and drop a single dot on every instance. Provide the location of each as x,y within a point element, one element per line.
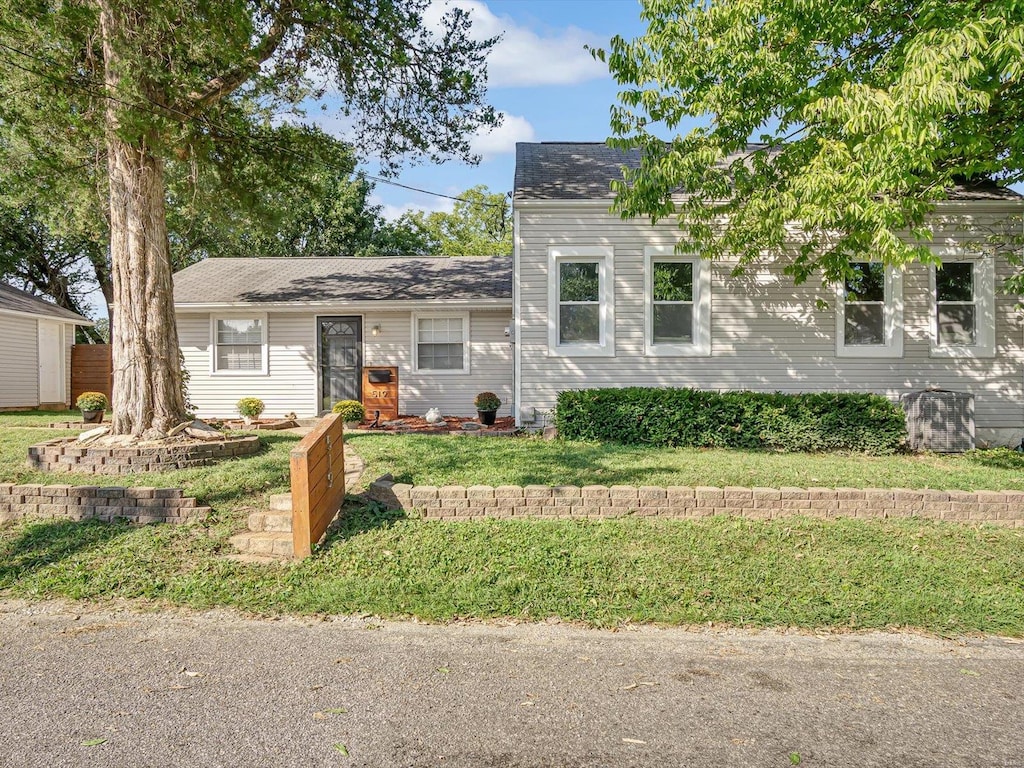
<point>278,522</point>
<point>265,543</point>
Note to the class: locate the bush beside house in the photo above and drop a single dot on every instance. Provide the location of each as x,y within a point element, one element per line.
<point>820,421</point>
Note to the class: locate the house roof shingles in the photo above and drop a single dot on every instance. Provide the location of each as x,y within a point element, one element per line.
<point>15,300</point>
<point>584,171</point>
<point>284,279</point>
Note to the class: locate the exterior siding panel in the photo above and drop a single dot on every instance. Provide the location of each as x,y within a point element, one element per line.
<point>19,349</point>
<point>766,333</point>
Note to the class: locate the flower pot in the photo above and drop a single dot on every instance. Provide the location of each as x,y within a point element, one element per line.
<point>487,417</point>
<point>92,417</point>
<point>352,424</point>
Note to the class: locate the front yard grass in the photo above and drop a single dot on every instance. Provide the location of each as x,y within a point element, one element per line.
<point>855,574</point>
<point>444,460</point>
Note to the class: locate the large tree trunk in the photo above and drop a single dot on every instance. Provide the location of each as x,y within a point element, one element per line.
<point>147,396</point>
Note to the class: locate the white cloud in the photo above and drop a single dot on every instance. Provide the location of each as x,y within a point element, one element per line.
<point>523,57</point>
<point>502,139</point>
<point>429,205</point>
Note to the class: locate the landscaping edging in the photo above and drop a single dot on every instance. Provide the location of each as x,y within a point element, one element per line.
<point>458,502</point>
<point>138,505</point>
<point>63,454</point>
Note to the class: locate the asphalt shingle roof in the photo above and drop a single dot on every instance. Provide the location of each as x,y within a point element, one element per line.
<point>16,300</point>
<point>258,280</point>
<point>556,170</point>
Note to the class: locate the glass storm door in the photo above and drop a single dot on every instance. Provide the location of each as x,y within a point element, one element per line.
<point>341,359</point>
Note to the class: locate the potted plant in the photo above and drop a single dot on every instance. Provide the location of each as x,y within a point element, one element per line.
<point>487,405</point>
<point>249,408</point>
<point>92,405</point>
<point>351,411</point>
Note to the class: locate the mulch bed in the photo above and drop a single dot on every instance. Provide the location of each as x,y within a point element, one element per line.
<point>506,425</point>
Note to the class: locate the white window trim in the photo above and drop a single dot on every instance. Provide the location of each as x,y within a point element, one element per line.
<point>603,256</point>
<point>467,347</point>
<point>701,344</point>
<point>984,301</point>
<point>893,310</point>
<point>262,317</point>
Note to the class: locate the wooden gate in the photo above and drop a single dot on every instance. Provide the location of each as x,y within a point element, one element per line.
<point>91,370</point>
<point>318,483</point>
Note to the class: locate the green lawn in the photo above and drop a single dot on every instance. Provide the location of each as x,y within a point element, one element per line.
<point>442,460</point>
<point>37,418</point>
<point>856,574</point>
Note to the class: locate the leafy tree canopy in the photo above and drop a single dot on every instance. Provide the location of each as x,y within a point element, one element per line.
<point>868,111</point>
<point>479,225</point>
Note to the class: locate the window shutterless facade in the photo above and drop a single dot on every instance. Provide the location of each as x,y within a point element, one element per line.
<point>869,313</point>
<point>581,301</point>
<point>239,344</point>
<point>441,343</point>
<point>677,303</point>
<point>963,308</point>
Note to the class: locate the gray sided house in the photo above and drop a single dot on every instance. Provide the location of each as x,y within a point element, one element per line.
<point>603,302</point>
<point>35,346</point>
<point>297,333</point>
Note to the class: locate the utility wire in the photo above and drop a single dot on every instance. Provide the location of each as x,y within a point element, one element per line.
<point>101,90</point>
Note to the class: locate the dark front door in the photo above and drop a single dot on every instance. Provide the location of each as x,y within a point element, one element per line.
<point>341,359</point>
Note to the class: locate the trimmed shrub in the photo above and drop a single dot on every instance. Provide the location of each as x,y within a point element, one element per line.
<point>815,421</point>
<point>349,410</point>
<point>250,407</point>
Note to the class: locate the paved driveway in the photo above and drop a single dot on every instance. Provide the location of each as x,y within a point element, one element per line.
<point>214,689</point>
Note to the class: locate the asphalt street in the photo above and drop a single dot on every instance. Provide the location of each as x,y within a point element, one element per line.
<point>109,686</point>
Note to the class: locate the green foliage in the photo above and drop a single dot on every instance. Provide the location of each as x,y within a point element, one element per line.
<point>820,421</point>
<point>91,401</point>
<point>251,407</point>
<point>480,225</point>
<point>349,410</point>
<point>487,401</point>
<point>867,114</point>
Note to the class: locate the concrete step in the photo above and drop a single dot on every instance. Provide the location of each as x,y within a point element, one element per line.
<point>281,502</point>
<point>280,522</point>
<point>267,543</point>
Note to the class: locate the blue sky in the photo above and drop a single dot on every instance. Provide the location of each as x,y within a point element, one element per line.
<point>548,87</point>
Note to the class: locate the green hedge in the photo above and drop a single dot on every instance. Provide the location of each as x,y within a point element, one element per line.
<point>753,420</point>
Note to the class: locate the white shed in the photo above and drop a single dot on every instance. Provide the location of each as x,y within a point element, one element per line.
<point>35,351</point>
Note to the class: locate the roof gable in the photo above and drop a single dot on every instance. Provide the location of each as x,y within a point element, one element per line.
<point>16,300</point>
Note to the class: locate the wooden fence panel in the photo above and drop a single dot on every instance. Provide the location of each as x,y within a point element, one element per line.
<point>91,370</point>
<point>318,483</point>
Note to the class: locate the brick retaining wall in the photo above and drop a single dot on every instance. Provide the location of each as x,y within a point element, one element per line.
<point>457,502</point>
<point>138,505</point>
<point>62,454</point>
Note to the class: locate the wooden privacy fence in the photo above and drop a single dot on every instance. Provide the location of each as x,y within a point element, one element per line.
<point>318,483</point>
<point>91,370</point>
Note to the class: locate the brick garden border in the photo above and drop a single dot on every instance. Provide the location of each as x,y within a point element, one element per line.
<point>63,454</point>
<point>457,502</point>
<point>138,505</point>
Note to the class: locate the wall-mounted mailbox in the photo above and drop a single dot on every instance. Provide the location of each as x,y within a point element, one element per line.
<point>380,391</point>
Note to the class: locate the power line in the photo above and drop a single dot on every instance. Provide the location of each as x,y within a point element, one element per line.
<point>100,90</point>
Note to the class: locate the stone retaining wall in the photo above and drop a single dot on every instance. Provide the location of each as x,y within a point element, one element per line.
<point>138,505</point>
<point>63,454</point>
<point>457,502</point>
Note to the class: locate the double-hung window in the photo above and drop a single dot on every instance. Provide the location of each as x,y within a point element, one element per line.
<point>442,343</point>
<point>963,311</point>
<point>869,317</point>
<point>240,344</point>
<point>580,301</point>
<point>677,291</point>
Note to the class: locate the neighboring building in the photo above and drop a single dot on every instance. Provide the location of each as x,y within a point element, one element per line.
<point>589,313</point>
<point>297,332</point>
<point>35,347</point>
<point>579,306</point>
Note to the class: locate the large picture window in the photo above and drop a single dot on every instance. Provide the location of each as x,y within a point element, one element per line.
<point>580,301</point>
<point>239,345</point>
<point>442,343</point>
<point>677,292</point>
<point>869,314</point>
